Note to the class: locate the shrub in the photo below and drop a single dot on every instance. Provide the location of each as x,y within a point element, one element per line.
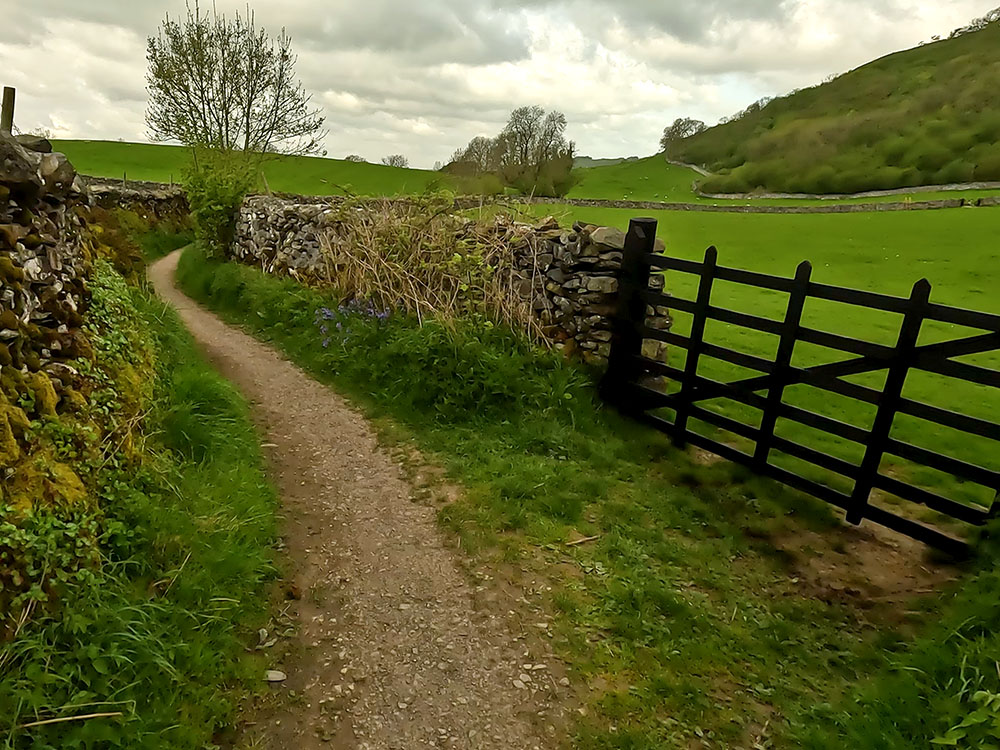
<point>988,168</point>
<point>954,172</point>
<point>216,183</point>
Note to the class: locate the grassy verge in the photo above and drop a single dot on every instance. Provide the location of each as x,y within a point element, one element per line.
<point>140,600</point>
<point>691,619</point>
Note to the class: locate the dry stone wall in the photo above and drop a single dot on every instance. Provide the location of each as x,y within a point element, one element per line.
<point>569,275</point>
<point>42,260</point>
<point>153,201</point>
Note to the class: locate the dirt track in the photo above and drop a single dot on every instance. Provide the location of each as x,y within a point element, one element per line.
<point>389,650</point>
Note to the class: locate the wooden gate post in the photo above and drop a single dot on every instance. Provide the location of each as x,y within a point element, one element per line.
<point>624,368</point>
<point>7,111</point>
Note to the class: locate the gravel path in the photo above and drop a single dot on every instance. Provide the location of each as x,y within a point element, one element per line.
<point>389,649</point>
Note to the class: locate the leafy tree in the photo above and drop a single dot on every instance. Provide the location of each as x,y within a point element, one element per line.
<point>396,160</point>
<point>225,84</point>
<point>354,158</point>
<point>683,127</point>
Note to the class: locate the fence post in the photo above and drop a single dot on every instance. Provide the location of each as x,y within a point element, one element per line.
<point>899,367</point>
<point>695,345</point>
<point>630,316</point>
<point>782,363</point>
<point>7,111</point>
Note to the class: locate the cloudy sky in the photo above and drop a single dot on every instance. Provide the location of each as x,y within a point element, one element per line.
<point>422,77</point>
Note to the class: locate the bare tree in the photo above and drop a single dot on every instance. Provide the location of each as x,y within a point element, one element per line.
<point>225,84</point>
<point>530,153</point>
<point>354,158</point>
<point>683,127</point>
<point>396,160</point>
<point>479,154</point>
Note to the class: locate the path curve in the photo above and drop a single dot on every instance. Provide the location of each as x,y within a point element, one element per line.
<point>390,651</point>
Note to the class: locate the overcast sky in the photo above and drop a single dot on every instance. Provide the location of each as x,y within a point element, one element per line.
<point>422,77</point>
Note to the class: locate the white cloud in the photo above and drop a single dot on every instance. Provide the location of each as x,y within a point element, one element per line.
<point>422,77</point>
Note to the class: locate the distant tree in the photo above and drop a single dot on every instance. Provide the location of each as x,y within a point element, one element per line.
<point>478,156</point>
<point>438,166</point>
<point>978,24</point>
<point>225,84</point>
<point>531,153</point>
<point>396,160</point>
<point>355,158</point>
<point>683,127</point>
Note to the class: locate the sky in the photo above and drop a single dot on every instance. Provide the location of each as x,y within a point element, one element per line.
<point>423,77</point>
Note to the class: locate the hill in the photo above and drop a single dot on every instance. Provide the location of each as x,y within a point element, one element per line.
<point>649,179</point>
<point>290,174</point>
<point>925,116</point>
<point>587,162</point>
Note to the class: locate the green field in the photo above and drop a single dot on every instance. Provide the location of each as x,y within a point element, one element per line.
<point>653,179</point>
<point>649,179</point>
<point>879,252</point>
<point>295,174</point>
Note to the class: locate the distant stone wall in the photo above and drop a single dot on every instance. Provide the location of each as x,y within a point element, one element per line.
<point>151,200</point>
<point>729,208</point>
<point>569,276</point>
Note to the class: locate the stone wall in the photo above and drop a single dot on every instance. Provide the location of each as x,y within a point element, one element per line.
<point>569,275</point>
<point>43,264</point>
<point>731,208</point>
<point>153,201</point>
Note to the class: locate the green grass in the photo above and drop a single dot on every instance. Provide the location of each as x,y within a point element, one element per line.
<point>653,179</point>
<point>649,179</point>
<point>183,534</point>
<point>299,174</point>
<point>688,627</point>
<point>884,253</point>
<point>925,116</point>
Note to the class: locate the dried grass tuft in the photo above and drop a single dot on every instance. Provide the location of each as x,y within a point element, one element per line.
<point>419,257</point>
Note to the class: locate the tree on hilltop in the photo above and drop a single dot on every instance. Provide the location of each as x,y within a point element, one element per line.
<point>225,84</point>
<point>396,160</point>
<point>683,127</point>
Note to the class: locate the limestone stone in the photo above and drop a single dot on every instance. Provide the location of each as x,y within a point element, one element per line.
<point>609,237</point>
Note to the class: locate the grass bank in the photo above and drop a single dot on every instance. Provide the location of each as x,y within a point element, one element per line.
<point>138,602</point>
<point>691,620</point>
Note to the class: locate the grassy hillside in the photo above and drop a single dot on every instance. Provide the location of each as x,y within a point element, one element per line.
<point>649,179</point>
<point>587,162</point>
<point>926,116</point>
<point>653,179</point>
<point>296,174</point>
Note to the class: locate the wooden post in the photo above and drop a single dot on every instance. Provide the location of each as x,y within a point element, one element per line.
<point>782,364</point>
<point>624,369</point>
<point>899,367</point>
<point>7,111</point>
<point>695,345</point>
